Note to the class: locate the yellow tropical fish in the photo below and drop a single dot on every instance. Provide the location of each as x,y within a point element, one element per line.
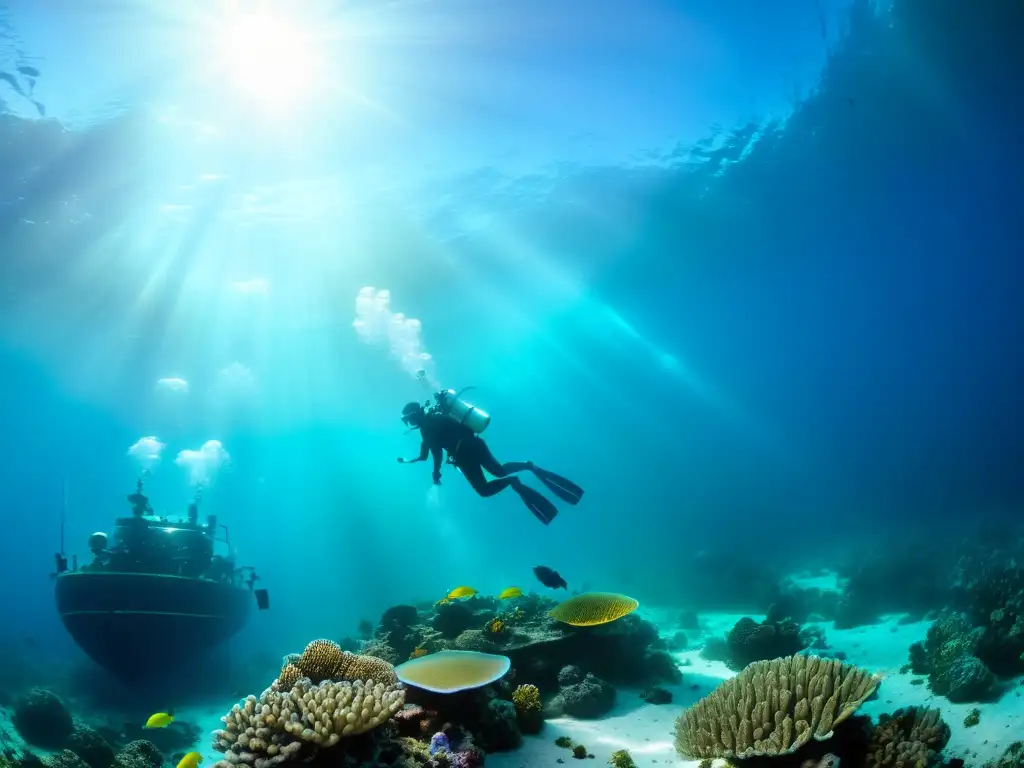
<point>458,592</point>
<point>159,720</point>
<point>190,760</point>
<point>510,593</point>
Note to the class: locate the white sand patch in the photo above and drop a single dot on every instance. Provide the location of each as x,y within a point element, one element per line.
<point>208,720</point>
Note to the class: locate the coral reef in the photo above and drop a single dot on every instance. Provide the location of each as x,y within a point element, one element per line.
<point>42,720</point>
<point>339,695</point>
<point>64,759</point>
<point>773,638</point>
<point>908,738</point>
<point>621,759</point>
<point>89,745</point>
<point>280,725</point>
<point>139,754</point>
<point>529,708</point>
<point>497,727</point>
<point>627,651</point>
<point>772,708</point>
<point>588,698</point>
<point>1013,757</point>
<point>989,589</point>
<point>947,657</point>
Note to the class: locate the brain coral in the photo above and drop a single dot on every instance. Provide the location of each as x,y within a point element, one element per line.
<point>593,608</point>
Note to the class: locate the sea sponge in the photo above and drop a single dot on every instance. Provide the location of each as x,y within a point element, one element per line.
<point>773,708</point>
<point>909,738</point>
<point>593,608</point>
<point>276,727</point>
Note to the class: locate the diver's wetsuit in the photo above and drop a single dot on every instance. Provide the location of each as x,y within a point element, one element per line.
<point>469,453</point>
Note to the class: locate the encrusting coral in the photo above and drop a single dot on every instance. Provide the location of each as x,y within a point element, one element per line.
<point>773,708</point>
<point>339,694</point>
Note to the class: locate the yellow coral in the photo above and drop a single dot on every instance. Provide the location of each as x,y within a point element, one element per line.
<point>320,660</point>
<point>353,666</point>
<point>526,698</point>
<point>289,676</point>
<point>496,626</point>
<point>325,660</point>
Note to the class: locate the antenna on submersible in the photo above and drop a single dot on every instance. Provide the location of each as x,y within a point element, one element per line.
<point>61,559</point>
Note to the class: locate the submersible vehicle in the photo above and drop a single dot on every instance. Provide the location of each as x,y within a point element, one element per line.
<point>158,595</point>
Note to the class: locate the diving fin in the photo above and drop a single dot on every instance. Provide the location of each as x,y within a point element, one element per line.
<point>542,509</point>
<point>564,489</point>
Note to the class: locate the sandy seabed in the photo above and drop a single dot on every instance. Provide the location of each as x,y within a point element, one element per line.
<point>647,730</point>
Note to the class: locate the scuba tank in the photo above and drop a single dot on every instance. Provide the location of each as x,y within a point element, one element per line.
<point>450,404</point>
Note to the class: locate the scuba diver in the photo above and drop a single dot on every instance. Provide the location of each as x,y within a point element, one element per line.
<point>443,430</point>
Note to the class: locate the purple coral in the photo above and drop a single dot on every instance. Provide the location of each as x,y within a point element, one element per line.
<point>439,743</point>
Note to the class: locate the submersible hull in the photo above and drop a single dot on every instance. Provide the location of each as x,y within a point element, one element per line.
<point>141,625</point>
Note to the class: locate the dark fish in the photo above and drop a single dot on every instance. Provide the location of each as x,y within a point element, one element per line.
<point>549,577</point>
<point>28,71</point>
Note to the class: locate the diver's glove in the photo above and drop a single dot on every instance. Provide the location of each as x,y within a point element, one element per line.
<point>437,478</point>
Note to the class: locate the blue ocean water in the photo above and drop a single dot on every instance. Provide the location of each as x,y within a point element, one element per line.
<point>747,273</point>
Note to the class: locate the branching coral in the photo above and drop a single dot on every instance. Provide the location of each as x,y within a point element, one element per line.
<point>908,738</point>
<point>773,708</point>
<point>526,698</point>
<point>282,724</point>
<point>529,708</point>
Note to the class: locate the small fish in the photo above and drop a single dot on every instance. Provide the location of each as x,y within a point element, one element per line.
<point>458,592</point>
<point>190,760</point>
<point>509,593</point>
<point>160,720</point>
<point>549,577</point>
